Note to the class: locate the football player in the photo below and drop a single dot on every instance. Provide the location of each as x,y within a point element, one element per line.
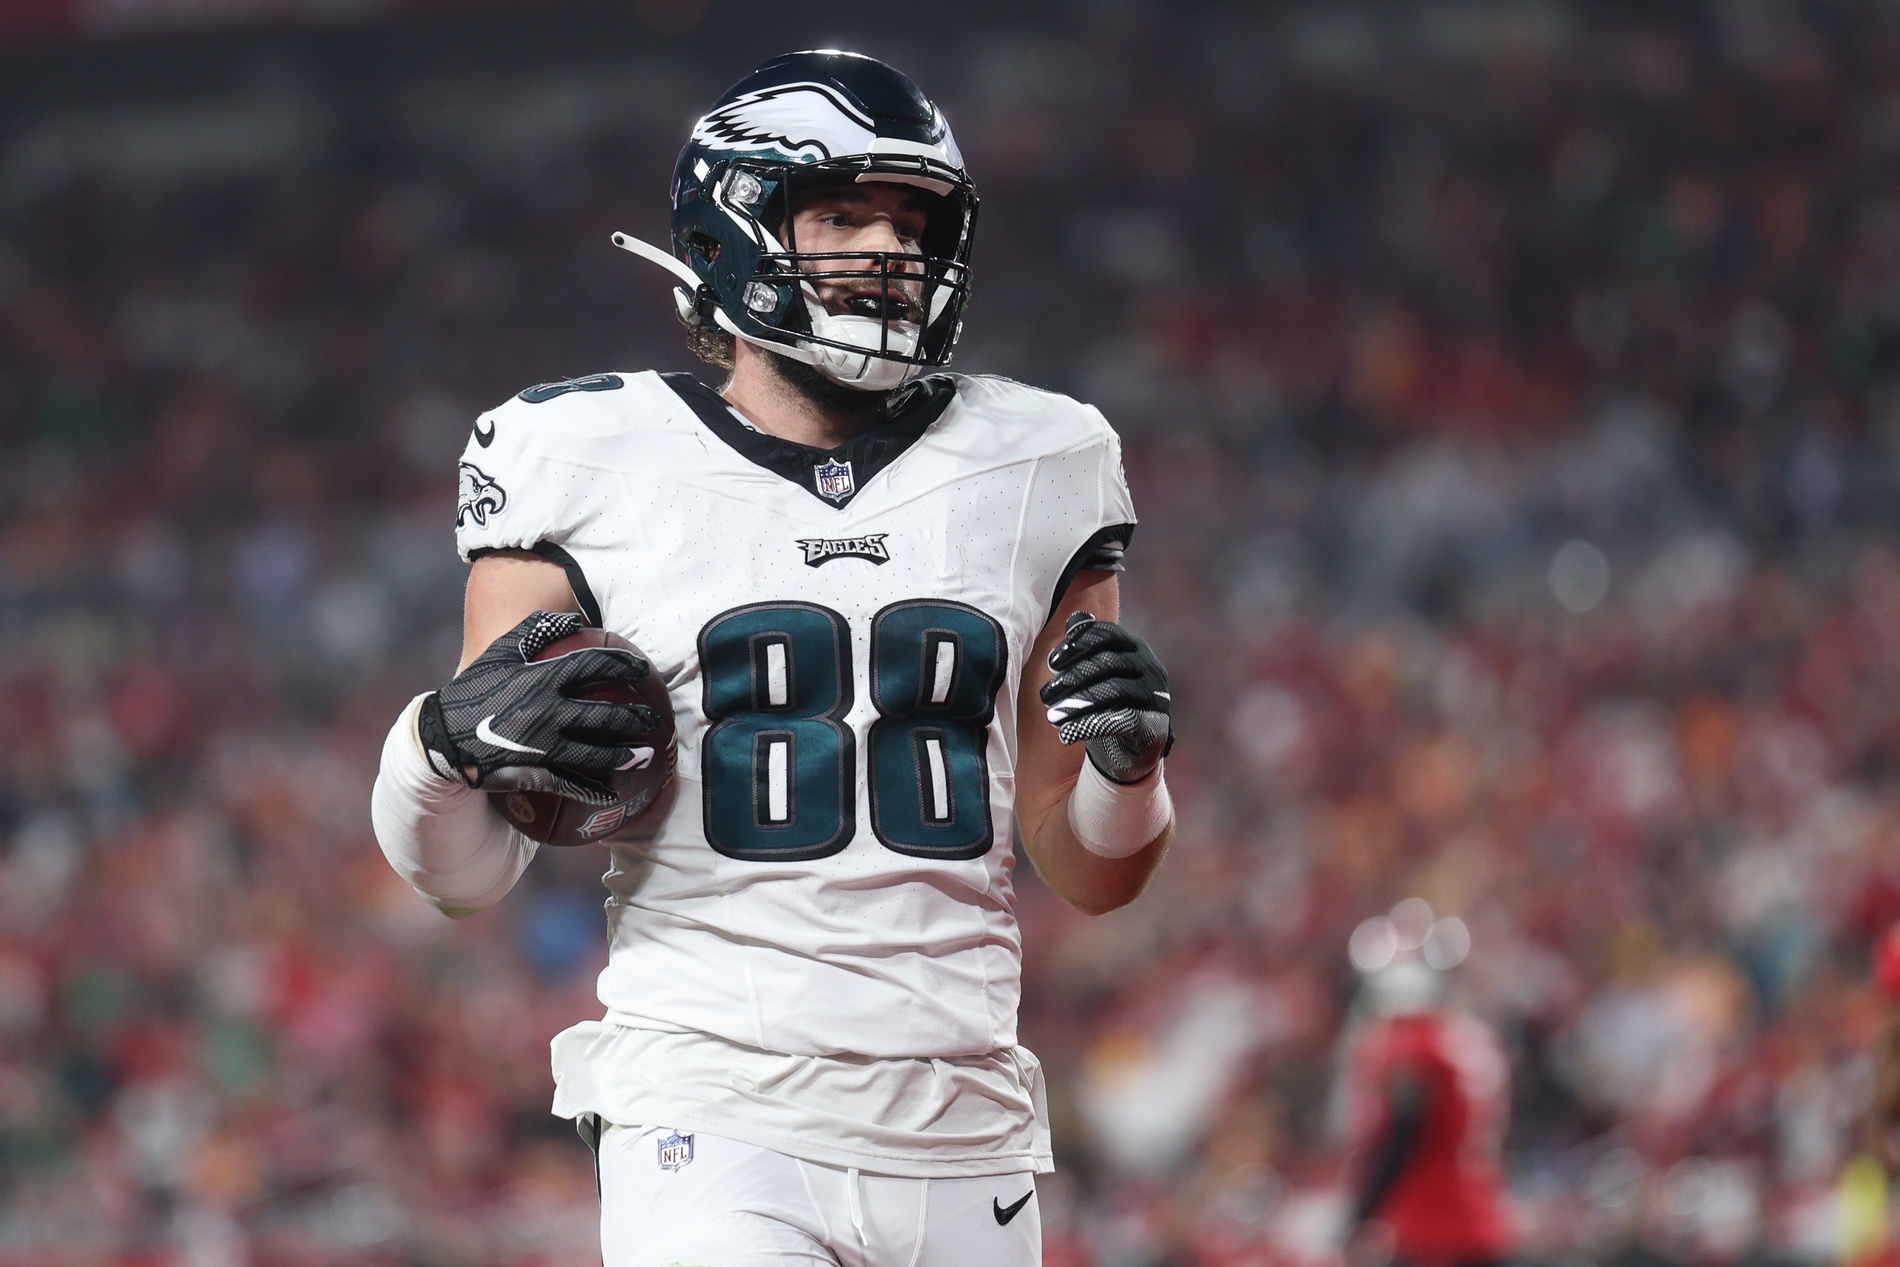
<point>883,600</point>
<point>1426,1093</point>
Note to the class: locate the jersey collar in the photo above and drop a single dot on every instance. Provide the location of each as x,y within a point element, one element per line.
<point>833,476</point>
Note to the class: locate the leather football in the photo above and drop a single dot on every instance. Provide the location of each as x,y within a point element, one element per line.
<point>639,790</point>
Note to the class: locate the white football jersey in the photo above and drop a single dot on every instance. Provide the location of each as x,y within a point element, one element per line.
<point>843,635</point>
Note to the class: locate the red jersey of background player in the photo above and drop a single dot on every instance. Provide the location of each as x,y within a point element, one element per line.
<point>1426,1098</point>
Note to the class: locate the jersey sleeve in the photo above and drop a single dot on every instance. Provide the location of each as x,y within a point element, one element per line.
<point>502,498</point>
<point>535,475</point>
<point>1083,515</point>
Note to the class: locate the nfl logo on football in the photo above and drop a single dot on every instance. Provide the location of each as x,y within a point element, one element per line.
<point>675,1151</point>
<point>834,479</point>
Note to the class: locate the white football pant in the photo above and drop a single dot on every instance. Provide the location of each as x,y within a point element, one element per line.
<point>738,1205</point>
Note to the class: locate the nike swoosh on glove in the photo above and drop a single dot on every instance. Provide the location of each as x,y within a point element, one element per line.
<point>1111,693</point>
<point>514,721</point>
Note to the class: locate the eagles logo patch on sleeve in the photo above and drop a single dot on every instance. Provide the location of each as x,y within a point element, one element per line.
<point>480,496</point>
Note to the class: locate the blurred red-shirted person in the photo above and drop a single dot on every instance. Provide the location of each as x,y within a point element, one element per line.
<point>1883,1109</point>
<point>1426,1092</point>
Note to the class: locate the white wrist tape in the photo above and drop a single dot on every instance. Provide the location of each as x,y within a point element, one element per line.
<point>1118,820</point>
<point>439,834</point>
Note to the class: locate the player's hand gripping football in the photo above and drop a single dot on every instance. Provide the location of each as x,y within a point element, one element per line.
<point>508,721</point>
<point>1111,693</point>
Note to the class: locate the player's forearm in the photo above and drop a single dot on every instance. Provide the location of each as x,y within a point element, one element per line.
<point>439,834</point>
<point>1081,876</point>
<point>1395,1150</point>
<point>1093,840</point>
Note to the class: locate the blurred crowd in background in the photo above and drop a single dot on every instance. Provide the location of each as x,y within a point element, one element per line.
<point>1512,401</point>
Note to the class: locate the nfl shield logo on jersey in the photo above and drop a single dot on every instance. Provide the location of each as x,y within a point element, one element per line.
<point>834,479</point>
<point>675,1151</point>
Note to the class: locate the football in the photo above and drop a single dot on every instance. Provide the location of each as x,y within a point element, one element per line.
<point>638,790</point>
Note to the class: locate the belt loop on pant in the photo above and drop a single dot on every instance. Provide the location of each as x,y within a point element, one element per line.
<point>591,1127</point>
<point>854,1199</point>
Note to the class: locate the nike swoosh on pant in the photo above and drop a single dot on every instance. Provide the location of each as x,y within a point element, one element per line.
<point>1004,1213</point>
<point>486,733</point>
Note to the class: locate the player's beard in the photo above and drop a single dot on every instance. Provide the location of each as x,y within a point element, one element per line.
<point>833,397</point>
<point>809,381</point>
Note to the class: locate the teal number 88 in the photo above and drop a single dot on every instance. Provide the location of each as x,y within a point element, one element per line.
<point>778,765</point>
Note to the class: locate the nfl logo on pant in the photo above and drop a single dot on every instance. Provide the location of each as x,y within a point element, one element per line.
<point>675,1151</point>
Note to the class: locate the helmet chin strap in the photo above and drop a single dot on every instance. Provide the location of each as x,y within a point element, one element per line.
<point>865,371</point>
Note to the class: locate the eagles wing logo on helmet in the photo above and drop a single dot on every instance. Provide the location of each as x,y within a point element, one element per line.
<point>797,120</point>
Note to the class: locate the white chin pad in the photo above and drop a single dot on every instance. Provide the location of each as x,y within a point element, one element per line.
<point>867,371</point>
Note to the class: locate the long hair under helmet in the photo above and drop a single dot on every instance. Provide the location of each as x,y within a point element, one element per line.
<point>801,121</point>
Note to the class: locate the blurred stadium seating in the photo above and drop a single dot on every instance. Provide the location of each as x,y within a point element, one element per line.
<point>1512,396</point>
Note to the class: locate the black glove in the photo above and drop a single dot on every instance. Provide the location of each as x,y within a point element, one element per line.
<point>514,723</point>
<point>1111,693</point>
